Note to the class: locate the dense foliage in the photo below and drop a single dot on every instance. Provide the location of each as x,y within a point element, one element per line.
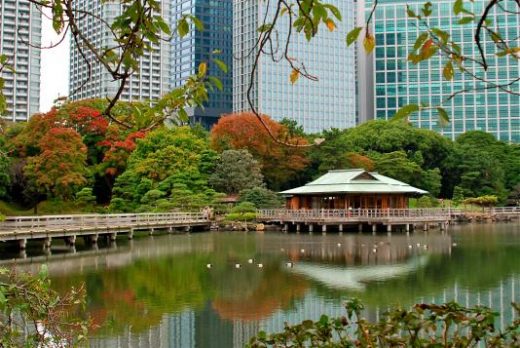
<point>74,159</point>
<point>424,325</point>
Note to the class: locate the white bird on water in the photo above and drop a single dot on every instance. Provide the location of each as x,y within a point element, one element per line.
<point>289,264</point>
<point>208,265</point>
<point>237,265</point>
<point>260,265</point>
<point>250,260</point>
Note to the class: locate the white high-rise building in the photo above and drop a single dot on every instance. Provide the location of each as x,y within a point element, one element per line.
<point>327,103</point>
<point>150,82</point>
<point>21,24</point>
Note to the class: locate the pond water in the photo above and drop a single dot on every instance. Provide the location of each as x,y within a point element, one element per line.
<point>159,291</point>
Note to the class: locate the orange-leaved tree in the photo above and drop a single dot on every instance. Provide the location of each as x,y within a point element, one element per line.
<point>60,169</point>
<point>280,163</point>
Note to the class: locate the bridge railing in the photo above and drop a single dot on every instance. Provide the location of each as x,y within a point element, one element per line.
<point>346,214</point>
<point>99,220</point>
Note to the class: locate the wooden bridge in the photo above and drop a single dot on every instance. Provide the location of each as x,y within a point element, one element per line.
<point>91,226</point>
<point>407,218</point>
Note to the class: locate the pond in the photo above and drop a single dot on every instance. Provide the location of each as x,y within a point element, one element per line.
<point>218,289</point>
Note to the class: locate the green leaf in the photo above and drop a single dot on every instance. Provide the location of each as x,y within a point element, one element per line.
<point>265,27</point>
<point>334,10</point>
<point>198,23</point>
<point>458,6</point>
<point>411,13</point>
<point>216,82</point>
<point>427,9</point>
<point>448,71</point>
<point>353,35</point>
<point>444,118</point>
<point>221,65</point>
<point>420,41</point>
<point>405,111</point>
<point>183,115</point>
<point>183,28</point>
<point>203,69</point>
<point>466,20</point>
<point>165,28</point>
<point>443,35</point>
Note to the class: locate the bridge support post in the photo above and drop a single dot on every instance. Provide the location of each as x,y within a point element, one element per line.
<point>112,236</point>
<point>298,227</point>
<point>71,240</point>
<point>285,228</point>
<point>187,229</point>
<point>170,229</point>
<point>407,227</point>
<point>425,226</point>
<point>360,228</point>
<point>389,230</point>
<point>442,226</point>
<point>324,230</point>
<point>374,229</point>
<point>311,228</point>
<point>150,233</point>
<point>131,234</point>
<point>47,243</point>
<point>22,244</point>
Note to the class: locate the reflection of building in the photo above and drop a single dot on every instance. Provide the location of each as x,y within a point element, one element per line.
<point>398,82</point>
<point>20,28</point>
<point>328,103</point>
<point>352,188</point>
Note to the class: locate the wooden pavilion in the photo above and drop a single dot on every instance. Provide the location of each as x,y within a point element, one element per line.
<point>351,189</point>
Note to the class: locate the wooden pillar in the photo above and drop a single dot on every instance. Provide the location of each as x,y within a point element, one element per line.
<point>298,227</point>
<point>340,228</point>
<point>324,229</point>
<point>311,228</point>
<point>112,236</point>
<point>47,243</point>
<point>131,233</point>
<point>374,229</point>
<point>360,228</point>
<point>70,240</point>
<point>22,244</point>
<point>389,229</point>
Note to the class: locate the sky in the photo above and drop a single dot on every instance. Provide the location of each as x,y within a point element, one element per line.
<point>54,67</point>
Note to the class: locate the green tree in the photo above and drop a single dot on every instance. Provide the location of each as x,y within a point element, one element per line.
<point>261,197</point>
<point>236,170</point>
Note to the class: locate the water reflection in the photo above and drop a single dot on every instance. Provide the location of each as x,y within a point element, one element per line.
<point>159,293</point>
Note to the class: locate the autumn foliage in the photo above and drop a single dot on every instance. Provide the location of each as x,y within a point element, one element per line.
<point>244,131</point>
<point>61,165</point>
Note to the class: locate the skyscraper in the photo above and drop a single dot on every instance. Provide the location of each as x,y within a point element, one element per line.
<point>215,41</point>
<point>20,24</point>
<point>327,103</point>
<point>398,82</point>
<point>150,82</point>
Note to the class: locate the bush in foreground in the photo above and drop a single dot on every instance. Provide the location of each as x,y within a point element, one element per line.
<point>424,325</point>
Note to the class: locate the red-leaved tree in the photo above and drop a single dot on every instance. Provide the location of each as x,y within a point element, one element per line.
<point>280,163</point>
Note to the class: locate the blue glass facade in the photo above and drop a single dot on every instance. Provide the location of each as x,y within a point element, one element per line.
<point>327,103</point>
<point>398,82</point>
<point>199,46</point>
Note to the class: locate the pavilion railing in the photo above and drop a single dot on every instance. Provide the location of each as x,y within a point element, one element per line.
<point>346,214</point>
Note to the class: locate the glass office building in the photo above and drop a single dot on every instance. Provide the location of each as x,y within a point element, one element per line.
<point>215,41</point>
<point>21,24</point>
<point>398,82</point>
<point>328,103</point>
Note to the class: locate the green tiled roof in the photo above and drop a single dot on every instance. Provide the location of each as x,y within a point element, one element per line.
<point>354,181</point>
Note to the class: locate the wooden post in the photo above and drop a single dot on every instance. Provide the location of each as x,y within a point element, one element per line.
<point>71,240</point>
<point>47,243</point>
<point>298,228</point>
<point>324,229</point>
<point>151,231</point>
<point>340,228</point>
<point>112,236</point>
<point>22,244</point>
<point>374,229</point>
<point>360,228</point>
<point>389,230</point>
<point>311,228</point>
<point>131,233</point>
